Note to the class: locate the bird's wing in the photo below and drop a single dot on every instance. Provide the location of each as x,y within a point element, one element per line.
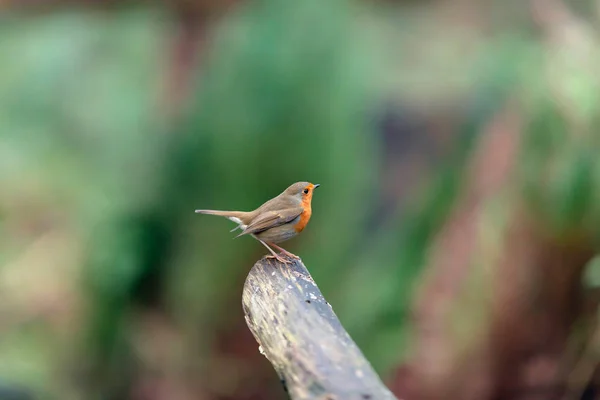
<point>271,219</point>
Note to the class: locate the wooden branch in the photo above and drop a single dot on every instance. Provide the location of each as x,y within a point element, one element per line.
<point>301,336</point>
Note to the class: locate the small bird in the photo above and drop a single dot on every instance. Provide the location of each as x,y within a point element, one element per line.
<point>277,220</point>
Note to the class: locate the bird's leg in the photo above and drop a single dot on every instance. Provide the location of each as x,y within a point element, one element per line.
<point>284,251</point>
<point>274,255</point>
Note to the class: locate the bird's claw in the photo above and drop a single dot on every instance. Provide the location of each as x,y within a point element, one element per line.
<point>290,255</point>
<point>279,258</point>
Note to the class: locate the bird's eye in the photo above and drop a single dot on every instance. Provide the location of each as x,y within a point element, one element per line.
<point>305,191</point>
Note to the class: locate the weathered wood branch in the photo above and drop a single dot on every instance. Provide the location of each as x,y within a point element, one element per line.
<point>303,339</point>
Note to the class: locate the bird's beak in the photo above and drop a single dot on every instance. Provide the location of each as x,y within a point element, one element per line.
<point>317,185</point>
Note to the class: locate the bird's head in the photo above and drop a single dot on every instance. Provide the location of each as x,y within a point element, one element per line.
<point>303,191</point>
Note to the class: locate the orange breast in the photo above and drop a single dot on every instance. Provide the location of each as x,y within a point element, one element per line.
<point>304,218</point>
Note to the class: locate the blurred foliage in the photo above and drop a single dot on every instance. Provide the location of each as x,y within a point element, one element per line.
<point>559,163</point>
<point>81,149</point>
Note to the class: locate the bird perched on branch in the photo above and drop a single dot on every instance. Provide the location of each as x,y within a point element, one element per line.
<point>277,220</point>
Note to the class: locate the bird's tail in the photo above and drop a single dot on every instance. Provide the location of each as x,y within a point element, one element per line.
<point>226,214</point>
<point>239,217</point>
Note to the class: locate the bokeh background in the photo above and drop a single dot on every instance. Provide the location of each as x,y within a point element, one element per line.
<point>454,232</point>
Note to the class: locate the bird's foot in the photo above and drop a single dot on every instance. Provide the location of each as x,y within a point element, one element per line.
<point>285,252</point>
<point>291,255</point>
<point>279,258</point>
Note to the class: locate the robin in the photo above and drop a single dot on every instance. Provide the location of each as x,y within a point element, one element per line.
<point>277,220</point>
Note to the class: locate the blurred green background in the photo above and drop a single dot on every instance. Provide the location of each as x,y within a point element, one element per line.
<point>118,119</point>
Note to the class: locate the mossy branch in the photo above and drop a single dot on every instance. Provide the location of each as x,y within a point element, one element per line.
<point>303,339</point>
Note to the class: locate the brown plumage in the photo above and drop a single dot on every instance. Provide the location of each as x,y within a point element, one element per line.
<point>277,220</point>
